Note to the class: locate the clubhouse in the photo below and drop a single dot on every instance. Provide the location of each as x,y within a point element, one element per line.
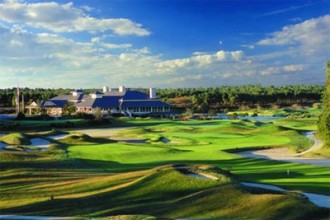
<point>123,101</point>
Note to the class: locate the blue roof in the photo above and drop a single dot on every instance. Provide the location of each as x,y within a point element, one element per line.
<point>144,103</point>
<point>134,95</point>
<point>96,93</point>
<point>54,103</point>
<point>106,102</point>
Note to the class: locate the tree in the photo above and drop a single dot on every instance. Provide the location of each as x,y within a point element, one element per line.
<point>188,114</point>
<point>324,119</point>
<point>98,114</point>
<point>212,113</point>
<point>69,109</point>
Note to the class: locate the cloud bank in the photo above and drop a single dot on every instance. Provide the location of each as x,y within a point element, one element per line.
<point>65,18</point>
<point>47,58</point>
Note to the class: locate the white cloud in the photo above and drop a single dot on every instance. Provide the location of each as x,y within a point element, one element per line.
<point>249,46</point>
<point>86,8</point>
<point>98,42</point>
<point>65,18</point>
<point>47,59</point>
<point>310,35</point>
<point>39,59</point>
<point>282,69</point>
<point>293,68</point>
<point>200,60</point>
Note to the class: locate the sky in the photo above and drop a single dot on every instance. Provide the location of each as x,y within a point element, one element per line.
<point>163,43</point>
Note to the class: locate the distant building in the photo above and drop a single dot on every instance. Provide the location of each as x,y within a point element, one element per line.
<point>111,101</point>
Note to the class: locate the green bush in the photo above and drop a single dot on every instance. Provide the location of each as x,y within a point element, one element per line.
<point>324,127</point>
<point>324,119</point>
<point>15,139</point>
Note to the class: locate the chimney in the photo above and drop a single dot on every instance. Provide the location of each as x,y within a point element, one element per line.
<point>152,93</point>
<point>122,89</point>
<point>105,89</point>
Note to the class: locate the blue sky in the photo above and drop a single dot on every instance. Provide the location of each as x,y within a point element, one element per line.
<point>165,43</point>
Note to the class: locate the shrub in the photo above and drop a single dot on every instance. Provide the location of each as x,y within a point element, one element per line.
<point>324,119</point>
<point>84,115</point>
<point>20,116</point>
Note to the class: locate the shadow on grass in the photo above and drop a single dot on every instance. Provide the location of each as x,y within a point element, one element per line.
<point>246,169</point>
<point>127,200</point>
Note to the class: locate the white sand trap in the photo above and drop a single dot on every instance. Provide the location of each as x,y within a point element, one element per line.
<point>198,176</point>
<point>319,200</point>
<point>102,132</point>
<point>283,154</point>
<point>40,143</point>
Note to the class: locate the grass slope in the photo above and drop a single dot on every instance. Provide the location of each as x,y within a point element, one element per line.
<point>161,191</point>
<point>98,177</point>
<point>15,139</point>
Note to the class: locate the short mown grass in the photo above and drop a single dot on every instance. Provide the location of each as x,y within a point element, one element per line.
<point>161,191</point>
<point>87,176</point>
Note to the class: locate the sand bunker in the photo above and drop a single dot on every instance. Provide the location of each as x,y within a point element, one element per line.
<point>319,200</point>
<point>283,154</point>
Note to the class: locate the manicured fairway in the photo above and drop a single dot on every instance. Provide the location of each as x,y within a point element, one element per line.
<point>206,142</point>
<point>99,177</point>
<point>162,191</point>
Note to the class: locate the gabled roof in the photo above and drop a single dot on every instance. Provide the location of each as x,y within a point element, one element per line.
<point>70,97</point>
<point>87,103</point>
<point>104,102</point>
<point>33,104</point>
<point>143,103</point>
<point>107,102</point>
<point>134,95</point>
<point>54,103</point>
<point>96,93</point>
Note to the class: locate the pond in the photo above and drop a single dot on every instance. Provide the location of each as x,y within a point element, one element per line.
<point>7,116</point>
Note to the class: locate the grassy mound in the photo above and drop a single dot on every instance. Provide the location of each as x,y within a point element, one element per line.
<point>79,138</point>
<point>85,176</point>
<point>162,191</point>
<point>15,139</point>
<point>323,152</point>
<point>303,124</point>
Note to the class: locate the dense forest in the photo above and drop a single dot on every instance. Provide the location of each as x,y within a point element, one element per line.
<point>242,97</point>
<point>200,99</point>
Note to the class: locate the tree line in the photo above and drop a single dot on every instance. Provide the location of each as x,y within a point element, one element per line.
<point>248,96</point>
<point>8,96</point>
<point>199,99</point>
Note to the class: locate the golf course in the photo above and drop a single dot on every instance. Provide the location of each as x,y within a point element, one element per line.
<point>164,169</point>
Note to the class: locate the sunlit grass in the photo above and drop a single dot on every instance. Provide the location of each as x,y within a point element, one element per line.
<point>87,176</point>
